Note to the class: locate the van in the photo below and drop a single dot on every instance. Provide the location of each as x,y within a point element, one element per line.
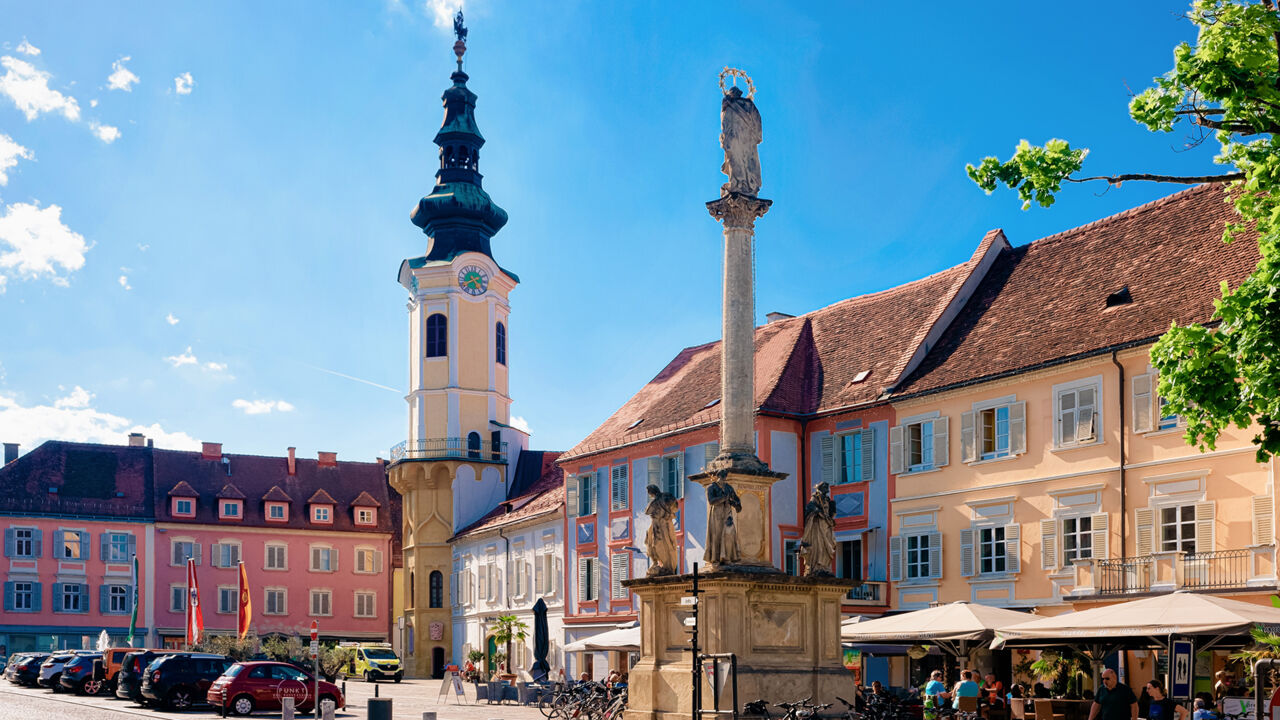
<point>375,661</point>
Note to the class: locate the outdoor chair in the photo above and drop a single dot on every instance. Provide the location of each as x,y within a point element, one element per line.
<point>495,693</point>
<point>482,691</point>
<point>1044,711</point>
<point>967,704</point>
<point>527,695</point>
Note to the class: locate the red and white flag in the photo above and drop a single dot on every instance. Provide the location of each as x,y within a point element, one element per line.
<point>195,618</point>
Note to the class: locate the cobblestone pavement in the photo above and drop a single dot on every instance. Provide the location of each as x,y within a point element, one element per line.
<point>410,699</point>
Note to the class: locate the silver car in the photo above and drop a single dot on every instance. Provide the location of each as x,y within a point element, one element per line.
<point>51,669</point>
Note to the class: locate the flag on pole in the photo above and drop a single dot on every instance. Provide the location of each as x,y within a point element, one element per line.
<point>195,618</point>
<point>133,619</point>
<point>246,605</point>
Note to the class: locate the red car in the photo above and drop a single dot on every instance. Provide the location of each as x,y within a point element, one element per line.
<point>249,686</point>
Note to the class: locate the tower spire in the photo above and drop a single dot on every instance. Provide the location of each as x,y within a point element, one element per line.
<point>458,215</point>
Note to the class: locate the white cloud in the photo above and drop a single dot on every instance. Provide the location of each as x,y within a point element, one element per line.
<point>106,133</point>
<point>186,358</point>
<point>121,78</point>
<point>183,83</point>
<point>171,319</point>
<point>35,243</point>
<point>29,90</point>
<point>442,12</point>
<point>215,366</point>
<point>10,153</point>
<point>261,407</point>
<point>93,103</point>
<point>144,248</point>
<point>124,282</point>
<point>521,424</point>
<point>73,418</point>
<point>27,48</point>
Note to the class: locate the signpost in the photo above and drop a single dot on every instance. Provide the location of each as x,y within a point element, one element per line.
<point>315,663</point>
<point>1180,670</point>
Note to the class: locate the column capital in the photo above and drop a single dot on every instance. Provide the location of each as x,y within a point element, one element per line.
<point>736,210</point>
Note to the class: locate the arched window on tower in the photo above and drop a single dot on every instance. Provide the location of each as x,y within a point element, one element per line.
<point>437,336</point>
<point>473,445</point>
<point>500,342</point>
<point>436,589</point>
<point>411,601</point>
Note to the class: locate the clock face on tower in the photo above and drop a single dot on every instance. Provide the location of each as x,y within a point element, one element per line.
<point>473,280</point>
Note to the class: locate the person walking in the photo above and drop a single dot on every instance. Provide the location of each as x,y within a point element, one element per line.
<point>1114,701</point>
<point>1163,708</point>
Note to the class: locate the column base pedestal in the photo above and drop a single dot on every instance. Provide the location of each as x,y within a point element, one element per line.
<point>752,480</point>
<point>784,630</point>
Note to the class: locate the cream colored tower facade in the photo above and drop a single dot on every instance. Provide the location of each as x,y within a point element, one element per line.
<point>460,448</point>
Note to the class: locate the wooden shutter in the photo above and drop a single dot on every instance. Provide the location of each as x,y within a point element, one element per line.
<point>539,575</point>
<point>84,588</point>
<point>571,497</point>
<point>966,552</point>
<point>935,555</point>
<point>1049,544</point>
<point>1144,526</point>
<point>618,488</point>
<point>37,597</point>
<point>104,546</point>
<point>10,544</point>
<point>1264,529</point>
<point>868,437</point>
<point>1017,428</point>
<point>941,441</point>
<point>968,438</point>
<point>133,546</point>
<point>8,595</point>
<point>655,472</point>
<point>1204,526</point>
<point>1013,548</point>
<point>38,551</point>
<point>104,599</point>
<point>1085,422</point>
<point>84,554</point>
<point>377,561</point>
<point>679,488</point>
<point>216,555</point>
<point>1100,524</point>
<point>1143,415</point>
<point>895,450</point>
<point>896,559</point>
<point>197,551</point>
<point>619,572</point>
<point>828,452</point>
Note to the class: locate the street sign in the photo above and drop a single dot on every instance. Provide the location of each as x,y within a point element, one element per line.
<point>315,648</point>
<point>1180,670</point>
<point>690,621</point>
<point>315,632</point>
<point>689,600</point>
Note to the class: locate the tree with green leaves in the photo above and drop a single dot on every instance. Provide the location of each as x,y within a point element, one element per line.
<point>1225,87</point>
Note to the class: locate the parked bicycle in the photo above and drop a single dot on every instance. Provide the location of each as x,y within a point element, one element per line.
<point>798,710</point>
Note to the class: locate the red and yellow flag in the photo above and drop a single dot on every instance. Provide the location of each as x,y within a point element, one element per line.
<point>246,604</point>
<point>195,616</point>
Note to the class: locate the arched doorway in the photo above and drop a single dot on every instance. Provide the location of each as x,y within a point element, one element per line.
<point>437,662</point>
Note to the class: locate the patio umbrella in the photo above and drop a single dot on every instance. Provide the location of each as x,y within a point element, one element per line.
<point>541,641</point>
<point>626,639</point>
<point>954,627</point>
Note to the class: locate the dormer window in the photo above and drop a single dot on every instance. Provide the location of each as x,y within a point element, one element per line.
<point>322,514</point>
<point>184,507</point>
<point>366,516</point>
<point>277,512</point>
<point>230,509</point>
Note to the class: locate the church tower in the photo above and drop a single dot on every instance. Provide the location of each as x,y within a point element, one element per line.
<point>460,448</point>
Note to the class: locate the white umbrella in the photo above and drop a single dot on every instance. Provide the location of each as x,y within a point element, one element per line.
<point>954,626</point>
<point>621,639</point>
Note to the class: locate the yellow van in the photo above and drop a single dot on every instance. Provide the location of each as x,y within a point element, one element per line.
<point>375,661</point>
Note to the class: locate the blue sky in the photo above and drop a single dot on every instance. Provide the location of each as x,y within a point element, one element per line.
<point>207,242</point>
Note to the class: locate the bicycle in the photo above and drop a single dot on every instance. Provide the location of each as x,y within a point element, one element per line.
<point>800,710</point>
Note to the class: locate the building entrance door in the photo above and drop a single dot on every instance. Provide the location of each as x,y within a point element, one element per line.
<point>437,662</point>
<point>491,649</point>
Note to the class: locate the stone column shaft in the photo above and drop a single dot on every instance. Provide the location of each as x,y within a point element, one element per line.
<point>737,355</point>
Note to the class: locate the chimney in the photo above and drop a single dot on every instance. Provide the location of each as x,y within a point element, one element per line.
<point>211,451</point>
<point>775,316</point>
<point>327,459</point>
<point>10,452</point>
<point>293,461</point>
<point>137,440</point>
<point>151,443</point>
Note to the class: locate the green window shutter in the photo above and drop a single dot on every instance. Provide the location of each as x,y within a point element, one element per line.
<point>104,546</point>
<point>84,597</point>
<point>868,454</point>
<point>84,546</point>
<point>37,597</point>
<point>104,599</point>
<point>828,450</point>
<point>8,597</point>
<point>57,597</point>
<point>38,544</point>
<point>10,543</point>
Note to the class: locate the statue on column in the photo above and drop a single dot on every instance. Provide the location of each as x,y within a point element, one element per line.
<point>722,534</point>
<point>818,544</point>
<point>660,540</point>
<point>740,133</point>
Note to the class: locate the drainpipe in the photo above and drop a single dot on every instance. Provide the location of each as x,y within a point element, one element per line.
<point>1124,513</point>
<point>506,589</point>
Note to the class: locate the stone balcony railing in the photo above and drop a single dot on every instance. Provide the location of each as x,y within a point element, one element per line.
<point>870,592</point>
<point>448,448</point>
<point>1241,569</point>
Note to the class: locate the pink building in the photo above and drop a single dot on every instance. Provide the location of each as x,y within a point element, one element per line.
<point>316,537</point>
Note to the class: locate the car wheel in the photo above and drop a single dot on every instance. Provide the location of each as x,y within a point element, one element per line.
<point>328,704</point>
<point>398,678</point>
<point>91,687</point>
<point>55,683</point>
<point>242,705</point>
<point>179,699</point>
<point>368,676</point>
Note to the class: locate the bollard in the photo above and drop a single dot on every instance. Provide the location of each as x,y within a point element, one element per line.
<point>286,708</point>
<point>379,709</point>
<point>344,687</point>
<point>375,690</point>
<point>428,716</point>
<point>328,712</point>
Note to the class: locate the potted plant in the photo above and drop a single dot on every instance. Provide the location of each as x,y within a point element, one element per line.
<point>506,630</point>
<point>475,660</point>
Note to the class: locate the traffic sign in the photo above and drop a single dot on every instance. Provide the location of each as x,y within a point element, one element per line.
<point>690,621</point>
<point>315,632</point>
<point>315,649</point>
<point>689,600</point>
<point>1180,670</point>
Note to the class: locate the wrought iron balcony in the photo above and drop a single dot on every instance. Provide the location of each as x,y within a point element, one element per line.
<point>449,449</point>
<point>870,592</point>
<point>1253,567</point>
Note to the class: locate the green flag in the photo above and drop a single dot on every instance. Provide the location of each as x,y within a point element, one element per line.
<point>133,619</point>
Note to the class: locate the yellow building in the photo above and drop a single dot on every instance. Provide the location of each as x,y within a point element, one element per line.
<point>453,468</point>
<point>1032,463</point>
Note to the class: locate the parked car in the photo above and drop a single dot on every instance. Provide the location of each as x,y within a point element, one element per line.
<point>83,674</point>
<point>51,671</point>
<point>112,661</point>
<point>181,680</point>
<point>132,668</point>
<point>375,661</point>
<point>249,686</point>
<point>25,669</point>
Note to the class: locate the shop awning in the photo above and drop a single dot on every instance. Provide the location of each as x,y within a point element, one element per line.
<point>622,639</point>
<point>955,627</point>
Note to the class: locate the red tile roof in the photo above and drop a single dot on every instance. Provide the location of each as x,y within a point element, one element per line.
<point>80,478</point>
<point>182,489</point>
<point>230,492</point>
<point>364,499</point>
<point>275,494</point>
<point>803,365</point>
<point>1046,301</point>
<point>321,497</point>
<point>544,497</point>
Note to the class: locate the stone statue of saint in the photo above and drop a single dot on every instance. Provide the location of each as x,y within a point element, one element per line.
<point>818,544</point>
<point>660,540</point>
<point>722,534</point>
<point>740,133</point>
